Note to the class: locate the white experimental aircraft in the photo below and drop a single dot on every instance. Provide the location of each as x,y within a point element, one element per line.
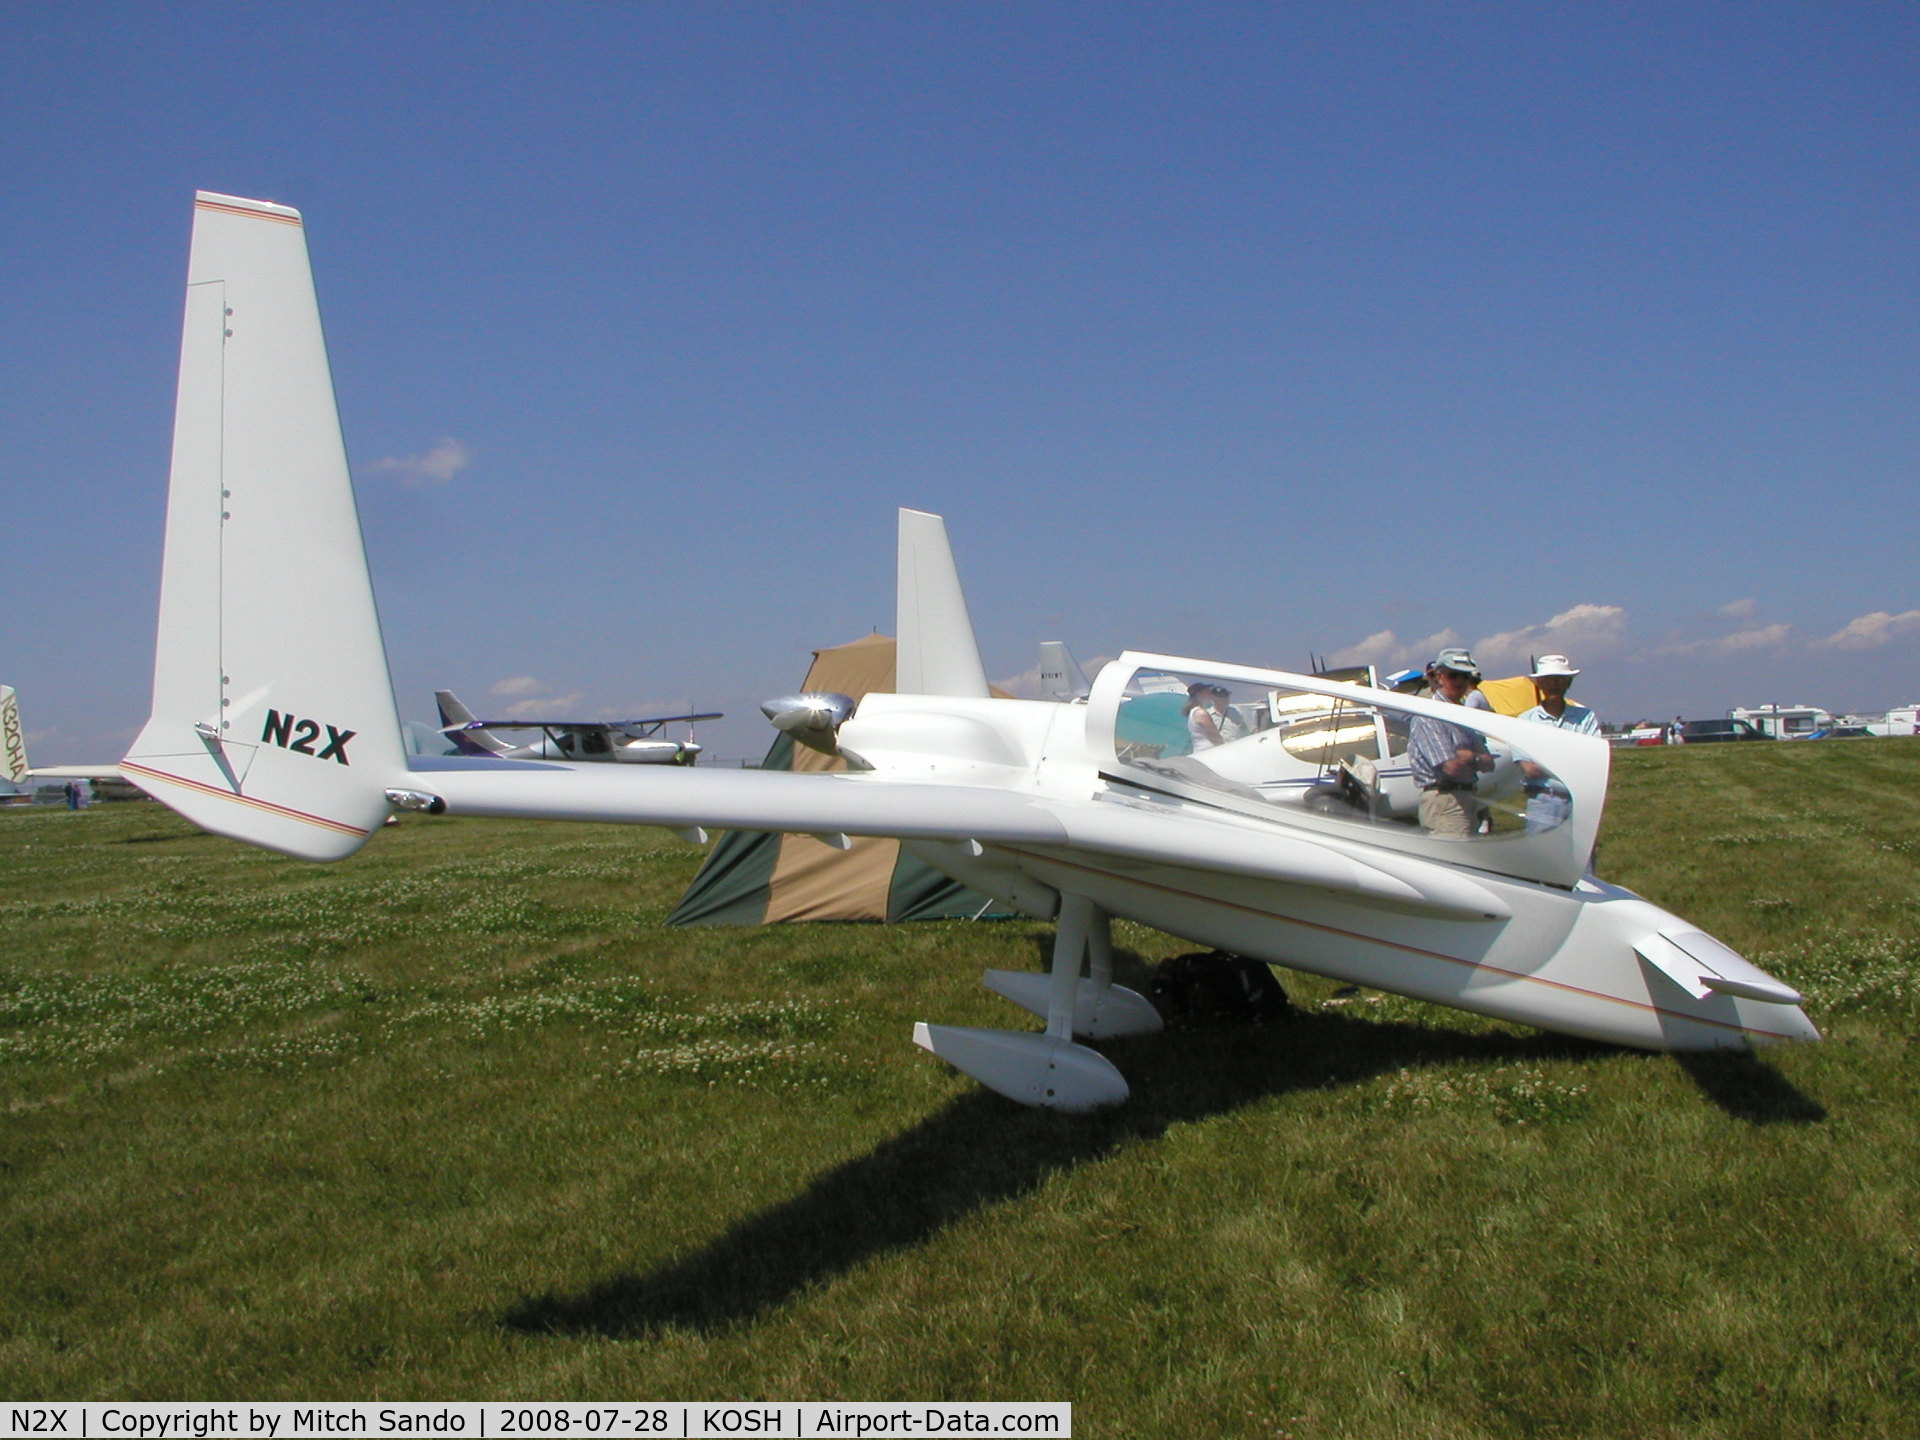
<point>13,753</point>
<point>622,742</point>
<point>273,722</point>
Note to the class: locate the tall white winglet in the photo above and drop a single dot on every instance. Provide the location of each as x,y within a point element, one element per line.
<point>937,652</point>
<point>273,718</point>
<point>13,743</point>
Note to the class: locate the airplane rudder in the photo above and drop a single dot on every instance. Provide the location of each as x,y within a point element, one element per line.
<point>273,718</point>
<point>937,652</point>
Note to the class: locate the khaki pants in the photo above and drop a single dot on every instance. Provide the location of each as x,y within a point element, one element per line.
<point>1452,813</point>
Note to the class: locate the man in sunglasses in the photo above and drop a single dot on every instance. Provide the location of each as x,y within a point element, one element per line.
<point>1447,759</point>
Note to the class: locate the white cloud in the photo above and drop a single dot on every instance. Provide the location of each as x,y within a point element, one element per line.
<point>1765,637</point>
<point>551,707</point>
<point>1579,632</point>
<point>520,685</point>
<point>1740,642</point>
<point>1583,630</point>
<point>1867,632</point>
<point>1739,609</point>
<point>445,460</point>
<point>1387,650</point>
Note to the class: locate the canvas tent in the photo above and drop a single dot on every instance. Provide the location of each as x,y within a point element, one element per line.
<point>1511,696</point>
<point>753,878</point>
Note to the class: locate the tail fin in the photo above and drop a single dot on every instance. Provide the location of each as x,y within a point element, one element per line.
<point>937,652</point>
<point>468,742</point>
<point>273,718</point>
<point>13,744</point>
<point>1061,677</point>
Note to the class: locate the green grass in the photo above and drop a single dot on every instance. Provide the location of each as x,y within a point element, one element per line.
<point>459,1119</point>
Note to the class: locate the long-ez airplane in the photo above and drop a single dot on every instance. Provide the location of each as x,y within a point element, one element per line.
<point>273,722</point>
<point>13,754</point>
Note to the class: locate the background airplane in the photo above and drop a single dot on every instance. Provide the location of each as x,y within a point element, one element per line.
<point>1061,677</point>
<point>283,733</point>
<point>13,748</point>
<point>626,742</point>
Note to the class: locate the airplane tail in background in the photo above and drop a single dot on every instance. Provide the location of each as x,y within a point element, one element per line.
<point>937,653</point>
<point>1061,677</point>
<point>273,719</point>
<point>453,711</point>
<point>13,743</point>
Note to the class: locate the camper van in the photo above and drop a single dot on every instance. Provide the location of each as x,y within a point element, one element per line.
<point>1784,722</point>
<point>1901,720</point>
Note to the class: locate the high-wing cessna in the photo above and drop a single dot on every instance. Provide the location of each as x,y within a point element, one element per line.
<point>273,722</point>
<point>625,742</point>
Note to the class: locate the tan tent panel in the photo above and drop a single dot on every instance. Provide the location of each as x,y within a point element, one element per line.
<point>811,880</point>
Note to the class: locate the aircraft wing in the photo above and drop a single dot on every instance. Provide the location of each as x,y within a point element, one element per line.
<point>575,724</point>
<point>732,799</point>
<point>76,772</point>
<point>860,805</point>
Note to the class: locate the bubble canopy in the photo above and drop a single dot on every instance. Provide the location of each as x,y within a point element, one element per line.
<point>1353,760</point>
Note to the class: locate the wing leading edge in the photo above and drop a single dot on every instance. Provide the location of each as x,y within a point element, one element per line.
<point>989,815</point>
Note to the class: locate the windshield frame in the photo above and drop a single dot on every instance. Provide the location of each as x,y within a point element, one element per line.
<point>1557,856</point>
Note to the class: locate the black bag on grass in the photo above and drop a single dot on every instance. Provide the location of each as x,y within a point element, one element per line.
<point>1214,986</point>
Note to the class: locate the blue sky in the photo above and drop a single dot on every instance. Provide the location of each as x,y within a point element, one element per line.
<point>1239,331</point>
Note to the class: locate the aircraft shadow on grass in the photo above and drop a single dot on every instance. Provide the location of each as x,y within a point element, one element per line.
<point>981,1150</point>
<point>1750,1088</point>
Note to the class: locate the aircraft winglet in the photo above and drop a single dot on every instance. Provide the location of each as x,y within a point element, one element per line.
<point>273,719</point>
<point>13,743</point>
<point>937,653</point>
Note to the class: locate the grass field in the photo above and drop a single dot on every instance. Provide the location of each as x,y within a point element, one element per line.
<point>459,1119</point>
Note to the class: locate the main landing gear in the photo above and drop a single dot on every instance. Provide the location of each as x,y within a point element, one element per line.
<point>1050,1070</point>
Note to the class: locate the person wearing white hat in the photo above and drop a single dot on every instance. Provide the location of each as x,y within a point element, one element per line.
<point>1552,677</point>
<point>1549,803</point>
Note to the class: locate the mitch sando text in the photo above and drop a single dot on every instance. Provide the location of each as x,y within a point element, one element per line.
<point>469,1420</point>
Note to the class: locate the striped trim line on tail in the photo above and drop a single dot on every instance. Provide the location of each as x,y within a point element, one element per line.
<point>338,826</point>
<point>250,214</point>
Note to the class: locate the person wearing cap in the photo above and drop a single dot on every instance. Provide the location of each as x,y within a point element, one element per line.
<point>1549,803</point>
<point>1461,661</point>
<point>1454,658</point>
<point>1447,760</point>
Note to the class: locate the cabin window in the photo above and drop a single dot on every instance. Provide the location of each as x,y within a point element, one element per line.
<point>1349,753</point>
